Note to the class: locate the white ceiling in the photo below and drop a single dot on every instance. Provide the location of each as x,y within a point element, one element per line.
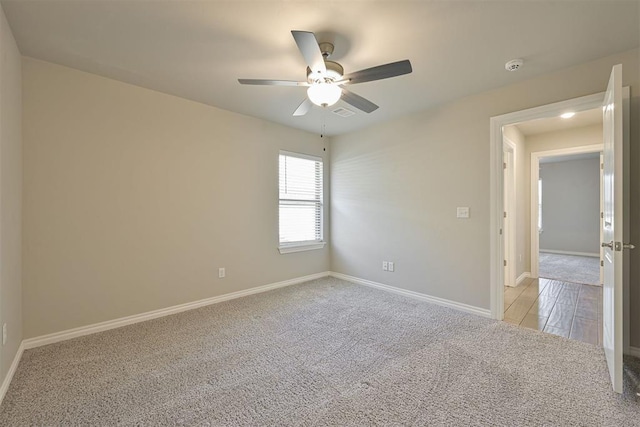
<point>554,124</point>
<point>197,50</point>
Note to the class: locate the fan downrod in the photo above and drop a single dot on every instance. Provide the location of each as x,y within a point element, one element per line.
<point>326,49</point>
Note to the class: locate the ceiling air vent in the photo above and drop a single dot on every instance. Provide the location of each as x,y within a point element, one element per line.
<point>343,112</point>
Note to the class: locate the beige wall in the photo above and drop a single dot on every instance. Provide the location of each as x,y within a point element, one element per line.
<point>136,193</point>
<point>396,186</point>
<point>10,195</point>
<point>133,199</point>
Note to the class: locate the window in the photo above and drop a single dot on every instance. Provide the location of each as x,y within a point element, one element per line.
<point>540,205</point>
<point>301,199</point>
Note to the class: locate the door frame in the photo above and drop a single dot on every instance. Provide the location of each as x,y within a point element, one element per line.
<point>496,247</point>
<point>601,222</point>
<point>509,225</point>
<point>496,175</point>
<point>535,176</point>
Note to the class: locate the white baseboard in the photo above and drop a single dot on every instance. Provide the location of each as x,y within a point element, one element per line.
<point>136,318</point>
<point>416,295</point>
<point>552,251</point>
<point>633,351</point>
<point>523,276</point>
<point>12,370</point>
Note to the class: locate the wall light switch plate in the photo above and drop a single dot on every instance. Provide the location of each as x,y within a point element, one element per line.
<point>385,266</point>
<point>392,266</point>
<point>221,273</point>
<point>462,212</point>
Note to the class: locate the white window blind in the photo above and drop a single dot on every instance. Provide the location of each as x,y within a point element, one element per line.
<point>300,199</point>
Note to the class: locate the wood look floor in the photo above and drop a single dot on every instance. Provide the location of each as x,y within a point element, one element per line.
<point>567,309</point>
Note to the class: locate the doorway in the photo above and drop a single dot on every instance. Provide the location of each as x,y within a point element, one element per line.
<point>558,242</point>
<point>566,218</point>
<point>532,301</point>
<point>499,132</point>
<point>614,104</point>
<point>525,254</point>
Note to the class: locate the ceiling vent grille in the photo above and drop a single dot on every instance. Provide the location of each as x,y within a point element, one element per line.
<point>343,112</point>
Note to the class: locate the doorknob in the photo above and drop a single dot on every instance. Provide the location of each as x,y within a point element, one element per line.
<point>617,246</point>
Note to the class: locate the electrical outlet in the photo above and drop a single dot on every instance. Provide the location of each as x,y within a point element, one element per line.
<point>391,266</point>
<point>4,333</point>
<point>385,266</point>
<point>221,273</point>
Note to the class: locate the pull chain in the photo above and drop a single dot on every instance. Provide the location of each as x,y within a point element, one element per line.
<point>323,124</point>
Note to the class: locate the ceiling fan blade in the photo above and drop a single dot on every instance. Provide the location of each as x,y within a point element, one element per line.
<point>271,82</point>
<point>310,50</point>
<point>378,73</point>
<point>303,108</point>
<point>357,101</point>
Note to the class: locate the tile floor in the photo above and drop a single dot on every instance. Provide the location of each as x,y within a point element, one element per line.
<point>567,309</point>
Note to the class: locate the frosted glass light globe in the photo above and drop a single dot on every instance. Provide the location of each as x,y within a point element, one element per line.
<point>324,94</point>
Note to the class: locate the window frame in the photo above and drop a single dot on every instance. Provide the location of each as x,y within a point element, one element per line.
<point>306,245</point>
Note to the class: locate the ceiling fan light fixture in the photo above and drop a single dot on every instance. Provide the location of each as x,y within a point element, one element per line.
<point>325,78</point>
<point>324,94</point>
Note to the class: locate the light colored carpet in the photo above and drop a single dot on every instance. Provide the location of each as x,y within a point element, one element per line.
<point>570,268</point>
<point>324,353</point>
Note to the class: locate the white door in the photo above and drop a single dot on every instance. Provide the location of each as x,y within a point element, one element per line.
<point>612,228</point>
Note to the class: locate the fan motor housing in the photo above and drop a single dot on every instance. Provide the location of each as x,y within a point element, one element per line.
<point>334,72</point>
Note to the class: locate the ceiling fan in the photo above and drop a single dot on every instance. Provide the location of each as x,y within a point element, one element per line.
<point>326,79</point>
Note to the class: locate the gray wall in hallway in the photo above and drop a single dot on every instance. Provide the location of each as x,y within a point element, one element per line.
<point>571,206</point>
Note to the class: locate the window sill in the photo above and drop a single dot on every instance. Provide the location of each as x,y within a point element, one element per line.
<point>299,247</point>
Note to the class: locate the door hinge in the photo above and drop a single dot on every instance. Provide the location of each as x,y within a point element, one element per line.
<point>601,165</point>
<point>501,231</point>
<point>601,263</point>
<point>504,165</point>
<point>505,214</point>
<point>601,214</point>
<point>505,262</point>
